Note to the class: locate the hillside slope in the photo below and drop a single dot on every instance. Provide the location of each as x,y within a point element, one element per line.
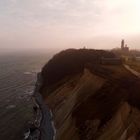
<point>100,102</point>
<point>69,96</point>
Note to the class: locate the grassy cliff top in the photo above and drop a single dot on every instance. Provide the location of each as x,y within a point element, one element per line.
<point>71,61</point>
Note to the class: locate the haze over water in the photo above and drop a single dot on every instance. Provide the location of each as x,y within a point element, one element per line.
<point>55,25</point>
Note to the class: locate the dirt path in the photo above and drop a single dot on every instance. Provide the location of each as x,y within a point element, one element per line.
<point>132,71</point>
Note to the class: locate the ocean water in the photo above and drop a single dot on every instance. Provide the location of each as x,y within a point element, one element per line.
<point>17,80</point>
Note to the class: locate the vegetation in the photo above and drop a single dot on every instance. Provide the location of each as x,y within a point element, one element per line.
<point>70,62</point>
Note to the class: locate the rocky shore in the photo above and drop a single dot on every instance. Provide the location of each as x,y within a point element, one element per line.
<point>41,128</point>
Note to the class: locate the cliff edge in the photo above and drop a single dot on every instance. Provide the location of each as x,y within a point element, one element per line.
<point>90,100</point>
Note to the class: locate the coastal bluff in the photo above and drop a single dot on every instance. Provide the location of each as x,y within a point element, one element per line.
<point>89,99</point>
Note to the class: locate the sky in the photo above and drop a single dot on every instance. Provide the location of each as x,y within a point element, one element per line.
<point>61,24</point>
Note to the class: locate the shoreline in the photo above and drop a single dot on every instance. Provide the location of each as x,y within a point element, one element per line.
<point>42,127</point>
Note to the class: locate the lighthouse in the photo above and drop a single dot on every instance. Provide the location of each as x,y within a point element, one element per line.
<point>122,44</point>
<point>124,47</point>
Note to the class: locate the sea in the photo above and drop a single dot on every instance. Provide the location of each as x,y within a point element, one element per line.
<point>17,81</point>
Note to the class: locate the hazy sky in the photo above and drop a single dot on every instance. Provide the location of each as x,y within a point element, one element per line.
<point>52,24</point>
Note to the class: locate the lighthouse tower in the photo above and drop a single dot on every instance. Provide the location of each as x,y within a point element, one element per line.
<point>122,45</point>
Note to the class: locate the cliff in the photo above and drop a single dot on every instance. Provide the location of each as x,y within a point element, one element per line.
<point>91,101</point>
<point>69,96</point>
